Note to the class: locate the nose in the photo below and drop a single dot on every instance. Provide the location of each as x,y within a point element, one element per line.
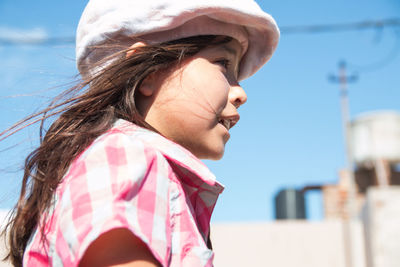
<point>237,95</point>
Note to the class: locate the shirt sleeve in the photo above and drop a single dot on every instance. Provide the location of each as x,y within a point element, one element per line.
<point>118,182</point>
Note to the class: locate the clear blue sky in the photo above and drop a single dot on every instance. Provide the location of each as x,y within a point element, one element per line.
<point>290,131</point>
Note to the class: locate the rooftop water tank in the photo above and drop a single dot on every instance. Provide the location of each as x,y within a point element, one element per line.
<point>290,205</point>
<point>376,135</point>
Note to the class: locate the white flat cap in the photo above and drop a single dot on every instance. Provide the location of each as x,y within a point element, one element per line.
<point>156,21</point>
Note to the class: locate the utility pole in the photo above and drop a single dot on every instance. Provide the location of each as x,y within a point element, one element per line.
<point>343,80</point>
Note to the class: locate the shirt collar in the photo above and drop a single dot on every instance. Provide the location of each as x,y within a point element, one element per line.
<point>201,176</point>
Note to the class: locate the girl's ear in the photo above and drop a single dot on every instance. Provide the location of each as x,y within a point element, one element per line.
<point>147,87</point>
<point>133,48</point>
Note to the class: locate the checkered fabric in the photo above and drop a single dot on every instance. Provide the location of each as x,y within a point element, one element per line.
<point>133,178</point>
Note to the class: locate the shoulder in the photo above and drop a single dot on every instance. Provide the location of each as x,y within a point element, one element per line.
<point>121,150</point>
<point>119,145</point>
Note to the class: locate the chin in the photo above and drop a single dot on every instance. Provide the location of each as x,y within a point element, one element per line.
<point>212,155</point>
<point>217,157</point>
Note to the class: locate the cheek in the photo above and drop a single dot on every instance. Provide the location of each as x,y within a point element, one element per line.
<point>210,90</point>
<point>218,95</point>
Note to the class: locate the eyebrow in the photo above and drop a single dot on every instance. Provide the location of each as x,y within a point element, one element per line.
<point>229,50</point>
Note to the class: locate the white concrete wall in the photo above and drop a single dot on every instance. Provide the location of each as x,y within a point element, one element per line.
<point>382,218</point>
<point>285,244</point>
<point>3,214</point>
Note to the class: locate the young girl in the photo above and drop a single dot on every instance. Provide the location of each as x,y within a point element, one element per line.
<point>117,178</point>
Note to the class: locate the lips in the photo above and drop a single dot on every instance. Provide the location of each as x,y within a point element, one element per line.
<point>226,123</point>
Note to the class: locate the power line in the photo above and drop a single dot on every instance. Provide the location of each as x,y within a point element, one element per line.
<point>380,63</point>
<point>369,24</point>
<point>37,41</point>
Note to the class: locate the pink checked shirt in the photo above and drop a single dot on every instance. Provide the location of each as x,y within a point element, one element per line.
<point>133,178</point>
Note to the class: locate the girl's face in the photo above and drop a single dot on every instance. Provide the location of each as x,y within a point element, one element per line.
<point>195,104</point>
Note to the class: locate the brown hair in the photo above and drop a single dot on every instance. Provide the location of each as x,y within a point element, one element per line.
<point>85,112</point>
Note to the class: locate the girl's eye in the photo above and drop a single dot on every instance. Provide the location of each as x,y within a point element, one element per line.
<point>224,63</point>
